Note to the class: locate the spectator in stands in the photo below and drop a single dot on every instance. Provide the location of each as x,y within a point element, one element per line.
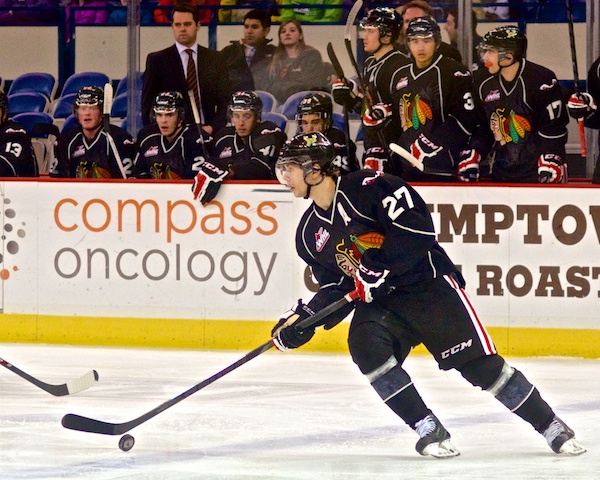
<point>163,16</point>
<point>238,15</point>
<point>39,14</point>
<point>584,105</point>
<point>312,15</point>
<point>17,158</point>
<point>497,12</point>
<point>87,17</point>
<point>167,70</point>
<point>295,66</point>
<point>118,16</point>
<point>420,8</point>
<point>248,59</point>
<point>451,28</point>
<point>88,150</point>
<point>247,150</point>
<point>169,149</point>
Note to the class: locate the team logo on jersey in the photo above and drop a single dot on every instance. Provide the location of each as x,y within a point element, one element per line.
<point>226,153</point>
<point>321,238</point>
<point>493,96</point>
<point>151,152</point>
<point>462,74</point>
<point>414,114</point>
<point>79,151</point>
<point>511,128</point>
<point>545,86</point>
<point>403,82</point>
<point>15,130</point>
<point>348,256</point>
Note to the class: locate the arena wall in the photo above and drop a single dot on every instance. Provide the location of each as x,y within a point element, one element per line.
<point>137,263</point>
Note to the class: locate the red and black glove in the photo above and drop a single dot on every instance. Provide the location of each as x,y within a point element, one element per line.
<point>581,105</point>
<point>207,182</point>
<point>550,168</point>
<point>370,277</point>
<point>375,158</point>
<point>468,166</point>
<point>286,334</point>
<point>347,93</point>
<point>378,116</point>
<point>423,148</point>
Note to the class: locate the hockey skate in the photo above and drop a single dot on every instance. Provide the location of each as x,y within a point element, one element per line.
<point>562,439</point>
<point>435,439</point>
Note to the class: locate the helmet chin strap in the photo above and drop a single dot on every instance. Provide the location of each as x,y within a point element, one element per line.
<point>309,186</point>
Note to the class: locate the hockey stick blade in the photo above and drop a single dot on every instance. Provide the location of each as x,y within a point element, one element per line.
<point>73,386</point>
<point>108,98</point>
<point>90,425</point>
<point>415,162</point>
<point>335,62</point>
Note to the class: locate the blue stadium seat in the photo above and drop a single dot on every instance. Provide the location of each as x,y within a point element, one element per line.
<point>338,121</point>
<point>268,99</point>
<point>43,83</point>
<point>70,122</point>
<point>63,107</point>
<point>119,106</point>
<point>84,79</point>
<point>26,102</point>
<point>290,106</point>
<point>277,118</point>
<point>122,85</point>
<point>29,119</point>
<point>125,124</point>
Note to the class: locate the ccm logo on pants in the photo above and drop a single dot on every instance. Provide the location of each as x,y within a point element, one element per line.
<point>457,348</point>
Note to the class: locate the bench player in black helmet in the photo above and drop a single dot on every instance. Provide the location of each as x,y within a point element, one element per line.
<point>315,114</point>
<point>381,122</point>
<point>523,119</point>
<point>435,100</point>
<point>88,151</point>
<point>372,232</point>
<point>246,150</point>
<point>170,149</point>
<point>17,157</point>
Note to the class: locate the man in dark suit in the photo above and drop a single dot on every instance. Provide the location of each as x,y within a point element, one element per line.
<point>167,70</point>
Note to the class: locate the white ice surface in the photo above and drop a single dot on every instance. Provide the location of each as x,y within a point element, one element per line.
<point>280,416</point>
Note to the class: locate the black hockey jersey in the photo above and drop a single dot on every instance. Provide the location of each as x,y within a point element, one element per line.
<point>158,158</point>
<point>95,158</point>
<point>17,158</point>
<point>521,121</point>
<point>370,209</point>
<point>345,158</point>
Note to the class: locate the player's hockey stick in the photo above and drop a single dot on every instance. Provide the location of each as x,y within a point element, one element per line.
<point>582,139</point>
<point>339,71</point>
<point>108,99</point>
<point>41,129</point>
<point>415,162</point>
<point>198,122</point>
<point>85,424</point>
<point>74,386</point>
<point>348,42</point>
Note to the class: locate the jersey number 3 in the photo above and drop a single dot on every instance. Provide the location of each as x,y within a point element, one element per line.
<point>399,203</point>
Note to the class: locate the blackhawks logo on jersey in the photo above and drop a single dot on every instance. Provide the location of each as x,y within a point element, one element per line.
<point>511,128</point>
<point>415,113</point>
<point>87,169</point>
<point>349,252</point>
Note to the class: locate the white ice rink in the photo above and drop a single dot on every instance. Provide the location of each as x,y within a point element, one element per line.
<point>280,416</point>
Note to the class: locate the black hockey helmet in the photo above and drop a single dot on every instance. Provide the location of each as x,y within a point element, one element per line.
<point>91,96</point>
<point>423,27</point>
<point>244,101</point>
<point>3,106</point>
<point>306,149</point>
<point>316,102</point>
<point>505,39</point>
<point>386,19</point>
<point>169,102</point>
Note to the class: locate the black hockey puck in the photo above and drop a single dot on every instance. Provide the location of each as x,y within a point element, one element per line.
<point>126,443</point>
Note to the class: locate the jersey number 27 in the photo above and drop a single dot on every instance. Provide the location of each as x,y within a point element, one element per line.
<point>400,202</point>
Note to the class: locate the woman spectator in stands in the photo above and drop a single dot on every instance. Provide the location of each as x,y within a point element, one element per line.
<point>87,17</point>
<point>295,66</point>
<point>163,16</point>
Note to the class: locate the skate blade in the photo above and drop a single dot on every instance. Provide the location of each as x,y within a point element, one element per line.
<point>445,449</point>
<point>572,447</point>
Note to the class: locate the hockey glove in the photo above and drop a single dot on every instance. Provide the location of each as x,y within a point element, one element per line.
<point>378,116</point>
<point>370,276</point>
<point>375,158</point>
<point>286,335</point>
<point>207,182</point>
<point>581,105</point>
<point>550,168</point>
<point>346,92</point>
<point>423,148</point>
<point>468,166</point>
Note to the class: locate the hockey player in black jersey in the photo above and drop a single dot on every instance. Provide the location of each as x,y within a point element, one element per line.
<point>89,151</point>
<point>169,149</point>
<point>315,114</point>
<point>434,97</point>
<point>246,150</point>
<point>523,119</point>
<point>372,232</point>
<point>17,157</point>
<point>381,122</point>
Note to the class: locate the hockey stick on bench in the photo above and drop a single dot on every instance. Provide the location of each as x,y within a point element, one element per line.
<point>85,424</point>
<point>74,386</point>
<point>415,162</point>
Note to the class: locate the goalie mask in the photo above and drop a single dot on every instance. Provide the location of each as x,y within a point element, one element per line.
<point>246,101</point>
<point>317,104</point>
<point>505,39</point>
<point>169,102</point>
<point>387,20</point>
